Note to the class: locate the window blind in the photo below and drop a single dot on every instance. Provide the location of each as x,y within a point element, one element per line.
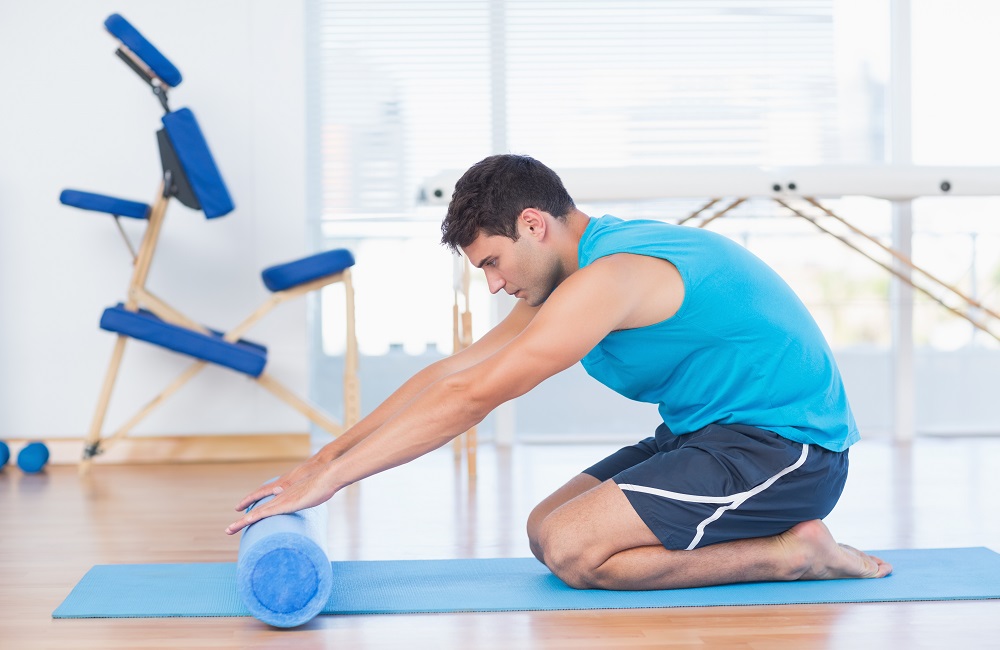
<point>411,88</point>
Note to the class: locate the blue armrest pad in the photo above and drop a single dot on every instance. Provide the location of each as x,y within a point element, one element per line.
<point>137,43</point>
<point>192,150</point>
<point>102,203</point>
<point>242,356</point>
<point>292,274</point>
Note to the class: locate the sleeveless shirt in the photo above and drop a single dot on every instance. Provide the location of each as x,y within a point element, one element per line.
<point>742,348</point>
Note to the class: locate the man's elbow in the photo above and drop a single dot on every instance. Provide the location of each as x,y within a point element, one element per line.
<point>472,397</point>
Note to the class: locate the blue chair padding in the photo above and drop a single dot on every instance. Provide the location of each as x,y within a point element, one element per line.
<point>243,356</point>
<point>192,150</point>
<point>142,48</point>
<point>103,203</point>
<point>292,274</point>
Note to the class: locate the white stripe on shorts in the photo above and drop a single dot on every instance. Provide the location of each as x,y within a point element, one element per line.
<point>730,502</point>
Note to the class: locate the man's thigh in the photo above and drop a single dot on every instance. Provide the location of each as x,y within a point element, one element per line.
<point>573,488</point>
<point>591,478</point>
<point>593,526</point>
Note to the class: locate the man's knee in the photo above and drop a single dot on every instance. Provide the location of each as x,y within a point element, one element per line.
<point>565,556</point>
<point>572,489</point>
<point>535,521</point>
<point>534,527</point>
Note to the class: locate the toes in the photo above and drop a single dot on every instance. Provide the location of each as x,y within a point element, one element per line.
<point>871,566</point>
<point>884,568</point>
<point>877,567</point>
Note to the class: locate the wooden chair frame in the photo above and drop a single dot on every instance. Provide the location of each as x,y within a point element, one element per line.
<point>461,316</point>
<point>140,297</point>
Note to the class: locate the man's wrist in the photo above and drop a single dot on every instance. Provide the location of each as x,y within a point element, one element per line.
<point>330,476</point>
<point>331,452</point>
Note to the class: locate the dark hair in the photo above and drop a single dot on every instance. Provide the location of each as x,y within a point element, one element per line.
<point>491,195</point>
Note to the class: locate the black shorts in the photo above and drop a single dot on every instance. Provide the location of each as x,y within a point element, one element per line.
<point>724,482</point>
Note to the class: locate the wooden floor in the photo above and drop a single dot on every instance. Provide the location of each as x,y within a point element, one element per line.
<point>55,526</point>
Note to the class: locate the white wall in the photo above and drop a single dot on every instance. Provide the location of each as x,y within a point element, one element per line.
<point>73,116</point>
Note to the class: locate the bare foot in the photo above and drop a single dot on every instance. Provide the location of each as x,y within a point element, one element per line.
<point>819,557</point>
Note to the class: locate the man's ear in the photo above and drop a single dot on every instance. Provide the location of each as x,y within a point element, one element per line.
<point>534,221</point>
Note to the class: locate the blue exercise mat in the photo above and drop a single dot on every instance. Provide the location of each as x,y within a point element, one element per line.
<point>522,584</point>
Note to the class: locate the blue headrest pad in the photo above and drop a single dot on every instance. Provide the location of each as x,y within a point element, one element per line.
<point>133,40</point>
<point>283,574</point>
<point>192,150</point>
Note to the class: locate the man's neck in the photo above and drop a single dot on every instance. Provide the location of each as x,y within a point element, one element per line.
<point>575,225</point>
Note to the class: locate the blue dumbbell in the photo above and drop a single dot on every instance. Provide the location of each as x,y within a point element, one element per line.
<point>4,453</point>
<point>33,457</point>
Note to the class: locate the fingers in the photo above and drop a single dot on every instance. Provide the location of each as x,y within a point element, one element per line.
<point>258,494</point>
<point>237,526</point>
<point>250,499</point>
<point>249,518</point>
<point>257,513</point>
<point>275,506</point>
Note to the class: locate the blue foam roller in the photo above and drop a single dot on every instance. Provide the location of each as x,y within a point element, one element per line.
<point>33,457</point>
<point>283,574</point>
<point>4,453</point>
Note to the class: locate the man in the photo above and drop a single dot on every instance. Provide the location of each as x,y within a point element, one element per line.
<point>753,450</point>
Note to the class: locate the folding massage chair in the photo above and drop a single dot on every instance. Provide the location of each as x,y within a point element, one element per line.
<point>191,176</point>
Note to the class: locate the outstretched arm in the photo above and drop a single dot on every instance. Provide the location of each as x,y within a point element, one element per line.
<point>585,308</point>
<point>496,338</point>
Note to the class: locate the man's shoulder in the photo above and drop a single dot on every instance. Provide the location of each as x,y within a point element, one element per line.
<point>610,235</point>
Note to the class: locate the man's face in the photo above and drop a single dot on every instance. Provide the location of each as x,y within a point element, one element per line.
<point>524,268</point>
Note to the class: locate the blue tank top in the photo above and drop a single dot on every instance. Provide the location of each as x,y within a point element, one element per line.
<point>742,348</point>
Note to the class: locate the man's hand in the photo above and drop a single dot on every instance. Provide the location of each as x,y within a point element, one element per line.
<point>299,473</point>
<point>303,487</point>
